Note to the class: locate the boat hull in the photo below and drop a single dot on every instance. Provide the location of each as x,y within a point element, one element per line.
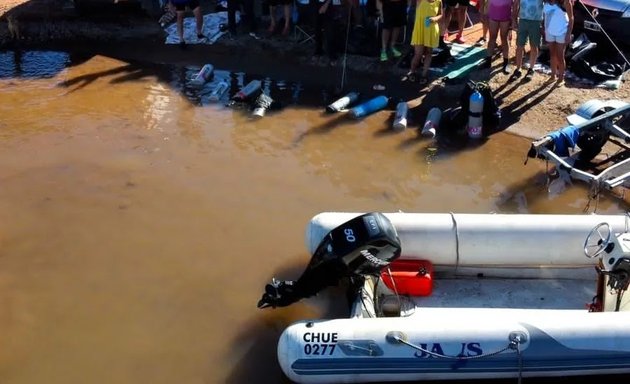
<point>552,343</point>
<point>482,240</point>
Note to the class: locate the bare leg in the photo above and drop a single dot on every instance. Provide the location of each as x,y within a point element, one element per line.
<point>180,26</point>
<point>505,44</point>
<point>461,20</point>
<point>552,58</point>
<point>272,16</point>
<point>533,55</point>
<point>198,20</point>
<point>492,42</point>
<point>287,19</point>
<point>560,60</point>
<point>385,36</point>
<point>518,60</point>
<point>428,53</point>
<point>395,34</point>
<point>417,54</point>
<point>448,13</point>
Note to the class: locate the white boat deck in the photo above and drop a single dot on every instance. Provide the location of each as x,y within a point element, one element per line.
<point>483,292</point>
<point>515,293</point>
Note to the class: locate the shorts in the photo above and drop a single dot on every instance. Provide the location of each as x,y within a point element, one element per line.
<point>190,4</point>
<point>556,38</point>
<point>394,14</point>
<point>454,3</point>
<point>274,3</point>
<point>528,30</point>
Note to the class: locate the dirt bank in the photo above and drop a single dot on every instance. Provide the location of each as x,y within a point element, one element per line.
<point>530,109</point>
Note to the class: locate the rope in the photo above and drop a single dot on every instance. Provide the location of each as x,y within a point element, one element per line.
<point>456,241</point>
<point>513,344</point>
<point>605,33</point>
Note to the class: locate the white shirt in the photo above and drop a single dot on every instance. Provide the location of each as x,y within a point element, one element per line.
<point>556,20</point>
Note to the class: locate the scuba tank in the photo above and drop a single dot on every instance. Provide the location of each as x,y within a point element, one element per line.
<point>203,75</point>
<point>219,90</point>
<point>342,103</point>
<point>249,90</point>
<point>475,119</point>
<point>370,106</point>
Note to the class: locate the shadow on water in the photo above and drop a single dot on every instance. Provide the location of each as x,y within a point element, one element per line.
<point>255,359</point>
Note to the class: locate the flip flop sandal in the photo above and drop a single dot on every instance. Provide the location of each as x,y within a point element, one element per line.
<point>410,77</point>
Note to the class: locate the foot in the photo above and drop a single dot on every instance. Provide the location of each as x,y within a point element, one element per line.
<point>481,42</point>
<point>182,44</point>
<point>384,56</point>
<point>396,53</point>
<point>201,36</point>
<point>487,63</point>
<point>445,36</point>
<point>410,76</point>
<point>254,35</point>
<point>515,75</point>
<point>423,80</point>
<point>529,75</point>
<point>506,67</point>
<point>459,39</point>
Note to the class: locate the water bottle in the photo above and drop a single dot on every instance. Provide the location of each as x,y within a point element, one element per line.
<point>343,102</point>
<point>427,21</point>
<point>203,75</point>
<point>247,91</point>
<point>219,90</point>
<point>370,106</point>
<point>475,120</point>
<point>400,120</point>
<point>432,122</point>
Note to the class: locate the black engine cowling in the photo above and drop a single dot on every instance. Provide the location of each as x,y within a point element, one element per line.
<point>362,246</point>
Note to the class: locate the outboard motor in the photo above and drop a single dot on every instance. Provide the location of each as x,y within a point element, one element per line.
<point>362,246</point>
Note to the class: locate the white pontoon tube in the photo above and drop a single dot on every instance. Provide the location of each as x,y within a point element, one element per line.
<point>482,240</point>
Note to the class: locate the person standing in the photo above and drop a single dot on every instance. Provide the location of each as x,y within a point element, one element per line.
<point>459,9</point>
<point>250,17</point>
<point>499,22</point>
<point>558,16</point>
<point>286,6</point>
<point>394,17</point>
<point>180,8</point>
<point>527,15</point>
<point>325,24</point>
<point>425,36</point>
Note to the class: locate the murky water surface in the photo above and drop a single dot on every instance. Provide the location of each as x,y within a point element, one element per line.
<point>139,221</point>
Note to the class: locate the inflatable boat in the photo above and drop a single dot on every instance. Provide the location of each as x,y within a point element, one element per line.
<point>461,296</point>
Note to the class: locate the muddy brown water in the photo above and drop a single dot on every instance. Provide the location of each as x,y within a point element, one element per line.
<point>139,221</point>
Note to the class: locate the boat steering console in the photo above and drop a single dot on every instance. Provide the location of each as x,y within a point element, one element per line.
<point>362,246</point>
<point>613,251</point>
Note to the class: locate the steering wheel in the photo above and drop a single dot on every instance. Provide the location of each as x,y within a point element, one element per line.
<point>597,240</point>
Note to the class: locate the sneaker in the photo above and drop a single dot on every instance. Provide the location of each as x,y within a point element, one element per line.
<point>201,36</point>
<point>384,56</point>
<point>529,75</point>
<point>254,35</point>
<point>396,53</point>
<point>487,63</point>
<point>481,42</point>
<point>459,39</point>
<point>506,67</point>
<point>517,73</point>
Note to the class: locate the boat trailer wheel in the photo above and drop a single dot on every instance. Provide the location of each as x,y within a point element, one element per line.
<point>597,240</point>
